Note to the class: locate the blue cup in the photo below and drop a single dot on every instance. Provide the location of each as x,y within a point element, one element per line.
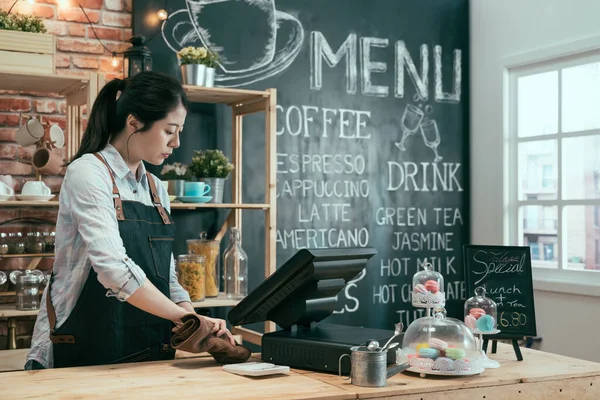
<point>196,189</point>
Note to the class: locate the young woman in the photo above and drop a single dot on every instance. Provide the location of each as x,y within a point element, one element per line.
<point>113,294</point>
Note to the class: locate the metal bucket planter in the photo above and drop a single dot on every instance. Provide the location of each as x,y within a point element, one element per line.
<point>193,74</point>
<point>216,188</point>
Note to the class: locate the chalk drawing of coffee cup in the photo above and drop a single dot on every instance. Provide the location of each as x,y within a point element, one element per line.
<point>263,46</point>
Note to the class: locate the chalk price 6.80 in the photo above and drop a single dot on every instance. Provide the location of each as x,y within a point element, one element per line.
<point>513,319</point>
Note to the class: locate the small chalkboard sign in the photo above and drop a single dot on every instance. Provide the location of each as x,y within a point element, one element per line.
<point>505,272</point>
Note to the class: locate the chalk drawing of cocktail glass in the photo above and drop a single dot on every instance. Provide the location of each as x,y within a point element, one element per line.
<point>411,120</point>
<point>431,136</point>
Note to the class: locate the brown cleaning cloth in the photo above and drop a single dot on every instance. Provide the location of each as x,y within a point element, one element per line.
<point>194,334</point>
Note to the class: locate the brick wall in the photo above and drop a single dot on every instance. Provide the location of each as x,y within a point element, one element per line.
<point>78,53</point>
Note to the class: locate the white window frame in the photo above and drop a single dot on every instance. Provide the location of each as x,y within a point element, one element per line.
<point>538,61</point>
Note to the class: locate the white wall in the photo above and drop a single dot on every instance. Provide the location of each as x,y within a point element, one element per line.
<point>501,29</point>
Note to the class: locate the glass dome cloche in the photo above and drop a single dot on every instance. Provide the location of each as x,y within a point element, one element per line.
<point>481,313</point>
<point>428,288</point>
<point>438,345</point>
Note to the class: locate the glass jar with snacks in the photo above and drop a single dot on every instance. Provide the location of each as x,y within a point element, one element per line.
<point>481,312</point>
<point>3,282</point>
<point>438,345</point>
<point>12,279</point>
<point>16,243</point>
<point>34,243</point>
<point>48,241</point>
<point>428,288</point>
<point>3,243</point>
<point>28,290</point>
<point>191,274</point>
<point>210,250</point>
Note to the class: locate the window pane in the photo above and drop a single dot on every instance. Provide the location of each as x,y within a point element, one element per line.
<point>537,168</point>
<point>581,167</point>
<point>538,229</point>
<point>537,104</point>
<point>582,237</point>
<point>581,97</point>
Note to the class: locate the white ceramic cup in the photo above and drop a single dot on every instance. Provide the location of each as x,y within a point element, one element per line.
<point>8,181</point>
<point>35,188</point>
<point>6,190</point>
<point>30,132</point>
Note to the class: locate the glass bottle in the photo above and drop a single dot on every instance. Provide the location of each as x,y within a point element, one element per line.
<point>235,263</point>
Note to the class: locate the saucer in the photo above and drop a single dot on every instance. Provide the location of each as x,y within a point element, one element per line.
<point>195,199</point>
<point>34,197</point>
<point>4,197</point>
<point>172,198</point>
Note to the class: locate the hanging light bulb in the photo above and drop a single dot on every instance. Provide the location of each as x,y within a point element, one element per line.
<point>63,3</point>
<point>31,1</point>
<point>162,14</point>
<point>114,60</point>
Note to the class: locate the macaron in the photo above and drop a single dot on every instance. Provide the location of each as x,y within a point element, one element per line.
<point>444,364</point>
<point>455,353</point>
<point>432,286</point>
<point>485,323</point>
<point>422,346</point>
<point>470,321</point>
<point>419,288</point>
<point>477,312</point>
<point>437,344</point>
<point>427,352</point>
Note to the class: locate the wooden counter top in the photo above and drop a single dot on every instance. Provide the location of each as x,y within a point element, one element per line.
<point>540,376</point>
<point>191,378</point>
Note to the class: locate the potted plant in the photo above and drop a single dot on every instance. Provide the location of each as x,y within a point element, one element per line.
<point>175,175</point>
<point>23,38</point>
<point>211,167</point>
<point>191,61</point>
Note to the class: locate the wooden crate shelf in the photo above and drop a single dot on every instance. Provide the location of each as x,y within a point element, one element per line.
<point>82,91</point>
<point>48,83</point>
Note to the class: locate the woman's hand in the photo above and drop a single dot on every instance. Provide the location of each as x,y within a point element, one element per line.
<point>220,327</point>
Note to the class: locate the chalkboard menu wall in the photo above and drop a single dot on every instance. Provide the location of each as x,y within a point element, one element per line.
<point>372,131</point>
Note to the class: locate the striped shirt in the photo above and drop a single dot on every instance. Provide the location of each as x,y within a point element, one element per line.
<point>87,234</point>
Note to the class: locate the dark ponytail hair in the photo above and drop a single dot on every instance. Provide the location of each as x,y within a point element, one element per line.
<point>148,96</point>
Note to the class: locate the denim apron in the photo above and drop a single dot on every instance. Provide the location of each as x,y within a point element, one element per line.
<point>103,330</point>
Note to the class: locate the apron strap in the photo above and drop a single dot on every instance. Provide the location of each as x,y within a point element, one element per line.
<point>52,318</point>
<point>156,200</point>
<point>115,190</point>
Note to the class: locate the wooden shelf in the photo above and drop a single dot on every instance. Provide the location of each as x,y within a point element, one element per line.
<point>7,294</point>
<point>174,206</point>
<point>215,95</point>
<point>192,206</point>
<point>59,84</point>
<point>18,203</point>
<point>8,310</point>
<point>26,255</point>
<point>219,301</point>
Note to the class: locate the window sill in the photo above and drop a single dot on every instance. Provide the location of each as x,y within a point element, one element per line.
<point>581,283</point>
